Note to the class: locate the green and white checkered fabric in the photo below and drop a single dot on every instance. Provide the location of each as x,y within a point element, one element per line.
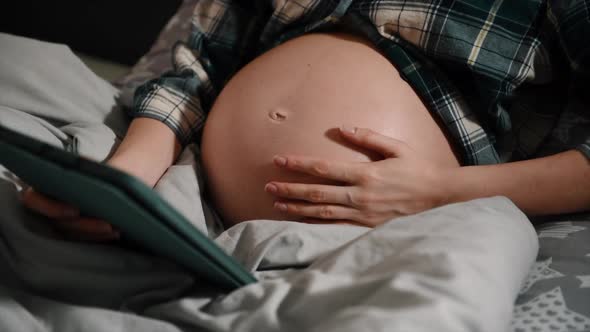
<point>506,78</point>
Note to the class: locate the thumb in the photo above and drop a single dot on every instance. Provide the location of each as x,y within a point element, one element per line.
<point>369,139</point>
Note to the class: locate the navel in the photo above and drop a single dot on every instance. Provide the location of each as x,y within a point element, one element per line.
<point>278,114</point>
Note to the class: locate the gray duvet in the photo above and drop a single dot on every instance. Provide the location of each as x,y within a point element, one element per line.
<point>455,268</point>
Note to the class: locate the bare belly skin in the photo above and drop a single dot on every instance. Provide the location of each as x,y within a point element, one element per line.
<point>291,100</point>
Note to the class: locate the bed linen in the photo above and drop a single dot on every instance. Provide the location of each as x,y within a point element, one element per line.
<point>456,268</point>
<point>556,294</point>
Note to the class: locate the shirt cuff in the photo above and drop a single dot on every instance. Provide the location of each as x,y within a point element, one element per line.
<point>181,113</point>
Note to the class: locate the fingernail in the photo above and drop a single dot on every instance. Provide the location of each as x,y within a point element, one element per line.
<point>281,206</point>
<point>70,212</point>
<point>347,129</point>
<point>281,161</point>
<point>271,188</point>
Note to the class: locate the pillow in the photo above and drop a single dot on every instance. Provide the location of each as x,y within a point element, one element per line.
<point>159,58</point>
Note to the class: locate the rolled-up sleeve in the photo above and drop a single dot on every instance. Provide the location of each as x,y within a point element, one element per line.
<point>179,109</point>
<point>182,97</point>
<point>570,21</point>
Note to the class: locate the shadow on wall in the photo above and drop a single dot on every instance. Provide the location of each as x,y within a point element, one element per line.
<point>120,31</point>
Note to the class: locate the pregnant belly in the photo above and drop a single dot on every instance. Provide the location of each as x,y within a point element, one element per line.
<point>291,100</point>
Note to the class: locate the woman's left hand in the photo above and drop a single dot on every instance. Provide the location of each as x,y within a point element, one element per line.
<point>403,183</point>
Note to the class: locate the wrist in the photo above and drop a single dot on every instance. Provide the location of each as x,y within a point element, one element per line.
<point>451,182</point>
<point>146,152</point>
<point>131,167</point>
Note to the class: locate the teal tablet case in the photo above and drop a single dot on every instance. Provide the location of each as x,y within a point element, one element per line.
<point>134,208</point>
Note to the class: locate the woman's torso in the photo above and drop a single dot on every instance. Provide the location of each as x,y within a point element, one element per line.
<point>291,100</point>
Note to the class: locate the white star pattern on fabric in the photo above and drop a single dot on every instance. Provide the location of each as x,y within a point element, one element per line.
<point>585,281</point>
<point>540,271</point>
<point>548,312</point>
<point>560,230</point>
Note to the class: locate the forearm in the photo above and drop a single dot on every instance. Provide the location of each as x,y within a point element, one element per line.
<point>148,149</point>
<point>549,185</point>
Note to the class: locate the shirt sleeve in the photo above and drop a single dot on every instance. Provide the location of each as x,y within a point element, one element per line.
<point>182,97</point>
<point>226,34</point>
<point>572,30</point>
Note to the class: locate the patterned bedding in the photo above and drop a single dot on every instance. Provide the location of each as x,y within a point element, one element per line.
<point>556,294</point>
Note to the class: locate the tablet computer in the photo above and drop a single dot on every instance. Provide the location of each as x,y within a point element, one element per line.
<point>134,208</point>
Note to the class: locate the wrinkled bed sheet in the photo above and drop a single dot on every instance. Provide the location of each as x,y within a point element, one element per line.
<point>455,268</point>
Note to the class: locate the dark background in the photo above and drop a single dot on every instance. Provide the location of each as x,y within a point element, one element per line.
<point>120,31</point>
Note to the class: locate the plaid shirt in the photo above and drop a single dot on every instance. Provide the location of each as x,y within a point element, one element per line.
<point>506,78</point>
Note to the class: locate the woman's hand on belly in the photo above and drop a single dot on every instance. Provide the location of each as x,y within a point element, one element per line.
<point>403,183</point>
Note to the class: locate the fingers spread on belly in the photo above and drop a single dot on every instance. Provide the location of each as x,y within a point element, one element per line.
<point>388,147</point>
<point>333,170</point>
<point>331,222</point>
<point>314,193</point>
<point>322,211</point>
